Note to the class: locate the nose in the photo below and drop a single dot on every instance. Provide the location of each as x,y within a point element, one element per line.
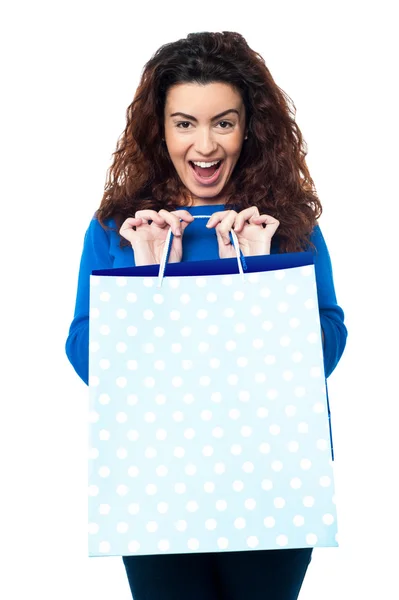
<point>205,143</point>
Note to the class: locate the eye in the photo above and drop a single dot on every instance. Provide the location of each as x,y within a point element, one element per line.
<point>183,124</point>
<point>225,124</point>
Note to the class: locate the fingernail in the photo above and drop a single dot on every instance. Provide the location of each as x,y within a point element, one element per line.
<point>178,231</point>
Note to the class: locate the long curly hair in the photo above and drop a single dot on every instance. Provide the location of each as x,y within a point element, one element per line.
<point>271,172</point>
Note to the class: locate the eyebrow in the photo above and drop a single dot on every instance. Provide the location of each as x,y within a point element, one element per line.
<point>222,114</point>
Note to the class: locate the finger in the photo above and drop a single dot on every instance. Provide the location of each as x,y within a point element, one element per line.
<point>127,230</point>
<point>245,215</point>
<point>224,223</point>
<point>184,215</point>
<point>216,218</point>
<point>151,215</point>
<point>270,223</point>
<point>173,221</point>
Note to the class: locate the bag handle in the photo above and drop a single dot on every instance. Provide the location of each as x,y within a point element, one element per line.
<point>168,243</point>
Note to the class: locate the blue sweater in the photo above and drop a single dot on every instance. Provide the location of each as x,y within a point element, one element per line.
<point>102,251</point>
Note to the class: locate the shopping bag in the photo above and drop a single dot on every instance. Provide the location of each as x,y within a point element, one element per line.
<point>209,426</point>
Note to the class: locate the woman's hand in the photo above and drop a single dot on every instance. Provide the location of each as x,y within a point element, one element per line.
<point>147,232</point>
<point>254,231</point>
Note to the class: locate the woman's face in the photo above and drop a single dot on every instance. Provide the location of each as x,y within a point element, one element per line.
<point>204,124</point>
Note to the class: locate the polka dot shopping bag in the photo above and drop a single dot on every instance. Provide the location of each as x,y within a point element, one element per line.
<point>209,426</point>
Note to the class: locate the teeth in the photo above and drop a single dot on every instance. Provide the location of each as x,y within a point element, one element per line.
<point>206,164</point>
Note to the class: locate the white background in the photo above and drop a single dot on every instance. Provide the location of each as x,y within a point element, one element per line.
<point>69,72</point>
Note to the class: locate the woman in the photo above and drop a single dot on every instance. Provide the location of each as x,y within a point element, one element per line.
<point>209,133</point>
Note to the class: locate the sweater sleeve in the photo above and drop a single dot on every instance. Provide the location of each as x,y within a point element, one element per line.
<point>95,255</point>
<point>331,315</point>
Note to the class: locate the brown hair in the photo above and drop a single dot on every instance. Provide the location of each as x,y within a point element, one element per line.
<point>271,172</point>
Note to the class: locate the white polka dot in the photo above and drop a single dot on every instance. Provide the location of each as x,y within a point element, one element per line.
<point>204,380</point>
<point>297,357</point>
<point>105,330</point>
<point>269,522</point>
<point>294,322</point>
<point>193,544</point>
<point>163,545</point>
<point>176,348</point>
<point>242,361</point>
<point>221,505</point>
<point>311,539</point>
<point>279,275</point>
<point>159,365</point>
<point>151,489</point>
<point>133,435</point>
<point>308,501</point>
<point>122,490</point>
<point>104,547</point>
<point>315,372</point>
<point>93,416</point>
<point>121,313</point>
<point>213,329</point>
<point>281,540</point>
<point>266,485</point>
<point>159,331</point>
<point>190,470</point>
<point>293,446</point>
<point>265,292</point>
<point>122,527</point>
<point>131,365</point>
<point>105,296</point>
<point>121,347</point>
<point>149,348</point>
<point>258,344</point>
<point>240,328</point>
<point>158,298</point>
<point>238,295</point>
<point>104,434</point>
<point>295,483</point>
<point>298,520</point>
<point>310,303</point>
<point>187,364</point>
<point>188,398</point>
<point>250,504</point>
<point>291,289</point>
<point>260,377</point>
<point>279,502</point>
<point>238,485</point>
<point>207,450</point>
<point>185,298</point>
<point>131,297</point>
<point>216,397</point>
<point>181,525</point>
<point>201,282</point>
<point>209,487</point>
<point>264,448</point>
<point>161,471</point>
<point>299,391</point>
<point>104,471</point>
<point>274,429</point>
<point>253,277</point>
<point>202,313</point>
<point>203,347</point>
<point>246,431</point>
<point>277,465</point>
<point>104,509</point>
<point>288,375</point>
<point>218,432</point>
<point>229,313</point>
<point>94,347</point>
<point>303,427</point>
<point>210,524</point>
<point>240,523</point>
<point>179,452</point>
<point>206,415</point>
<point>148,315</point>
<point>290,410</point>
<point>134,546</point>
<point>312,338</point>
<point>93,453</point>
<point>180,488</point>
<point>150,452</point>
<point>148,282</point>
<point>174,283</point>
<point>232,379</point>
<point>134,508</point>
<point>230,345</point>
<point>244,396</point>
<point>318,407</point>
<point>133,471</point>
<point>219,468</point>
<point>152,526</point>
<point>305,464</point>
<point>248,467</point>
<point>306,271</point>
<point>328,519</point>
<point>162,507</point>
<point>256,310</point>
<point>234,413</point>
<point>236,449</point>
<point>325,481</point>
<point>178,416</point>
<point>174,315</point>
<point>177,381</point>
<point>285,340</point>
<point>150,417</point>
<point>282,307</point>
<point>222,543</point>
<point>322,444</point>
<point>211,297</point>
<point>131,330</point>
<point>185,331</point>
<point>269,359</point>
<point>160,399</point>
<point>192,506</point>
<point>252,541</point>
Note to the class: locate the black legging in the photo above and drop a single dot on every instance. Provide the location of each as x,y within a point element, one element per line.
<point>250,575</point>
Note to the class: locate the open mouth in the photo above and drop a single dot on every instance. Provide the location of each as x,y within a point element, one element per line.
<point>206,171</point>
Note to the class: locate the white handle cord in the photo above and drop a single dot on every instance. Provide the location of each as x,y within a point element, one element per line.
<point>168,242</point>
